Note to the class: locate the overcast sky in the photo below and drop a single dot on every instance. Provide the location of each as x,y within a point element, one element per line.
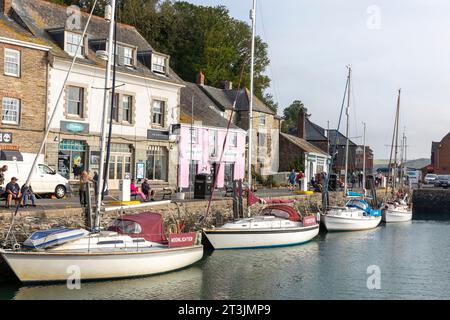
<point>390,44</point>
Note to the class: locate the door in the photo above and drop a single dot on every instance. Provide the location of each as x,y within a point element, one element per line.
<point>119,167</point>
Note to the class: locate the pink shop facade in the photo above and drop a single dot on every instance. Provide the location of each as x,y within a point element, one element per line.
<point>203,154</point>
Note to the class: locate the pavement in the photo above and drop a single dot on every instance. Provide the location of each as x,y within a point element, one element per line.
<point>71,202</point>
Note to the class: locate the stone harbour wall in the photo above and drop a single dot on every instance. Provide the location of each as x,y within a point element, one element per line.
<point>187,213</point>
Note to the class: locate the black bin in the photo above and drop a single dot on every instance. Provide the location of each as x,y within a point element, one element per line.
<point>332,182</point>
<point>203,186</point>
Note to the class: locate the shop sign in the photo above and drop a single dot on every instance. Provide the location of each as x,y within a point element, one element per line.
<point>157,135</point>
<point>5,137</point>
<point>74,127</point>
<point>196,152</point>
<point>231,154</point>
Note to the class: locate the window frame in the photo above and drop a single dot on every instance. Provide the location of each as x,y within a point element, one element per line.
<point>82,45</point>
<point>81,101</point>
<point>18,54</point>
<point>157,67</point>
<point>161,113</point>
<point>129,99</point>
<point>262,120</point>
<point>234,139</point>
<point>17,122</point>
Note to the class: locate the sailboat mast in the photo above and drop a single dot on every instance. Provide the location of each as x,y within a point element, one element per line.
<point>102,172</point>
<point>396,141</point>
<point>364,160</point>
<point>347,113</point>
<point>250,107</point>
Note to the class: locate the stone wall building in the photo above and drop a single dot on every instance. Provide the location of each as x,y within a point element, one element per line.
<point>266,124</point>
<point>23,86</point>
<point>146,100</point>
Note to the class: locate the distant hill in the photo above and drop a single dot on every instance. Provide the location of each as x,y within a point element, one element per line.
<point>416,164</point>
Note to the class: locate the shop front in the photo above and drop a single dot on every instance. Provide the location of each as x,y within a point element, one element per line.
<point>72,157</point>
<point>315,165</point>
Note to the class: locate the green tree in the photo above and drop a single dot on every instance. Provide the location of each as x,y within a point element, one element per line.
<point>291,115</point>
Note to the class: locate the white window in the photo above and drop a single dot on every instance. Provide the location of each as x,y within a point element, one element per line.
<point>233,139</point>
<point>12,63</point>
<point>128,56</point>
<point>193,135</point>
<point>127,102</point>
<point>71,44</point>
<point>262,120</point>
<point>158,112</point>
<point>159,64</point>
<point>75,101</point>
<point>212,143</point>
<point>10,111</point>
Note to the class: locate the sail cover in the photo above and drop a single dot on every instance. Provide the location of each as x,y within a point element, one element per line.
<point>148,225</point>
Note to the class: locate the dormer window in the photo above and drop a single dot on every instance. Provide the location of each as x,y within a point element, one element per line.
<point>71,44</point>
<point>125,56</point>
<point>159,63</point>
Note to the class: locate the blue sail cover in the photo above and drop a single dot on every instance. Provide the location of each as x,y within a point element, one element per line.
<point>353,194</point>
<point>364,206</point>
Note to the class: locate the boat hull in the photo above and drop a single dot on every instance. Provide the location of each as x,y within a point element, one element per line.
<point>32,267</point>
<point>393,216</point>
<point>266,238</point>
<point>342,223</point>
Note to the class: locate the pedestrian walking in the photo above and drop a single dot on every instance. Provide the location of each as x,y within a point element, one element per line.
<point>291,179</point>
<point>83,191</point>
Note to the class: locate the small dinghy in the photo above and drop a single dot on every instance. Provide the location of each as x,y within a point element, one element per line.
<point>57,236</point>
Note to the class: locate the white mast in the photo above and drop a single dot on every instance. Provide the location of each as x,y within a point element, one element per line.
<point>364,160</point>
<point>101,173</point>
<point>250,107</point>
<point>347,113</point>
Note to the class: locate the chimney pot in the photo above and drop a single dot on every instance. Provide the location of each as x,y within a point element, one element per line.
<point>200,78</point>
<point>6,6</point>
<point>227,85</point>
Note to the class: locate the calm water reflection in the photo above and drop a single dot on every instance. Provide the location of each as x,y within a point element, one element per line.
<point>414,259</point>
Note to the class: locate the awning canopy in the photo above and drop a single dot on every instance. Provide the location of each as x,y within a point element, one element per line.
<point>10,155</point>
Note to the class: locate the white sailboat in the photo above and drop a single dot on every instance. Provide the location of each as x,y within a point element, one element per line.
<point>125,252</point>
<point>397,210</point>
<point>357,213</point>
<point>274,226</point>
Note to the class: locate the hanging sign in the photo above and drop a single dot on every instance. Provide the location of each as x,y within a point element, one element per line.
<point>74,127</point>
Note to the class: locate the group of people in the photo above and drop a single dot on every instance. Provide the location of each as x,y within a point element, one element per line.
<point>146,193</point>
<point>13,192</point>
<point>295,179</point>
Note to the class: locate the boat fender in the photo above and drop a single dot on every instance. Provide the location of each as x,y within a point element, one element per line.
<point>16,246</point>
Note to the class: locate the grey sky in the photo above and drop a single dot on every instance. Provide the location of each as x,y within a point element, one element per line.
<point>311,42</point>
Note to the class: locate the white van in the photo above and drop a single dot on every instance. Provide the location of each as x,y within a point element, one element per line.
<point>44,179</point>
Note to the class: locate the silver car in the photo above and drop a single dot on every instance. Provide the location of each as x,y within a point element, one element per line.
<point>430,178</point>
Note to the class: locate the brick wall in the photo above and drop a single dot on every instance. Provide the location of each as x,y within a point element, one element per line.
<point>31,89</point>
<point>442,156</point>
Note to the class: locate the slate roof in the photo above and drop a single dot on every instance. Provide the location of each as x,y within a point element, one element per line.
<point>225,99</point>
<point>204,108</point>
<point>42,17</point>
<point>303,144</point>
<point>313,132</point>
<point>338,138</point>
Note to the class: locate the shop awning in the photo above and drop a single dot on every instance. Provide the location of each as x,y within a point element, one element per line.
<point>10,155</point>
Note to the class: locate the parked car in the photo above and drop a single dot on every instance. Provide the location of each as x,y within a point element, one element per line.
<point>430,178</point>
<point>442,181</point>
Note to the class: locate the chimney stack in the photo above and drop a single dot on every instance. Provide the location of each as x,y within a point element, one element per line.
<point>227,85</point>
<point>200,78</point>
<point>301,124</point>
<point>5,6</point>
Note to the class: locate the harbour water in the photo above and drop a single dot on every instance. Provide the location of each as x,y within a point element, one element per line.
<point>413,260</point>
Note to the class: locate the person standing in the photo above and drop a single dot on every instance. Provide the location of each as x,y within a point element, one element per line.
<point>300,177</point>
<point>83,191</point>
<point>291,179</point>
<point>12,192</point>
